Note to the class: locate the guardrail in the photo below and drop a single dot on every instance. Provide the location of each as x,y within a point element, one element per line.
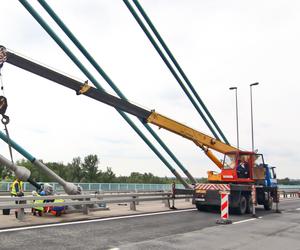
<point>87,202</point>
<point>5,186</point>
<point>98,200</point>
<point>289,193</point>
<point>7,193</point>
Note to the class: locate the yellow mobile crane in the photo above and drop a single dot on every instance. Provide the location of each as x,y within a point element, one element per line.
<point>240,170</point>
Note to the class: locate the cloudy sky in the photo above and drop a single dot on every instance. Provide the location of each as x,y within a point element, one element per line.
<point>219,44</point>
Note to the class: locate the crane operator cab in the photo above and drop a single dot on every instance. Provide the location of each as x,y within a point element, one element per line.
<point>241,166</point>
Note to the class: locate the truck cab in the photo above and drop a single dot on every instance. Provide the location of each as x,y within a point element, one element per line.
<point>270,178</point>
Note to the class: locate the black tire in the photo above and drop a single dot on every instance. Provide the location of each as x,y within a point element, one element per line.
<point>241,209</point>
<point>200,207</point>
<point>249,208</point>
<point>269,204</point>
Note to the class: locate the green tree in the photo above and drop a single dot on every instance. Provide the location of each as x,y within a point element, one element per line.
<point>90,168</point>
<point>5,173</point>
<point>76,173</point>
<point>59,168</point>
<point>107,177</point>
<point>285,181</point>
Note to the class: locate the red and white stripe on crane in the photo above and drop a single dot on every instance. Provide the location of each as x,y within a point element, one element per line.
<point>211,186</point>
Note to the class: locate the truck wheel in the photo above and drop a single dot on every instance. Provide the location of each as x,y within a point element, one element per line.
<point>200,207</point>
<point>241,209</point>
<point>268,204</point>
<point>249,209</point>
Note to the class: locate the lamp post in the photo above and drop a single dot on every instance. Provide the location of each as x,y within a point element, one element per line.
<point>237,115</point>
<point>252,133</point>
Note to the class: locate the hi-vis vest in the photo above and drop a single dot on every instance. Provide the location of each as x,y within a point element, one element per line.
<point>37,202</point>
<point>13,187</point>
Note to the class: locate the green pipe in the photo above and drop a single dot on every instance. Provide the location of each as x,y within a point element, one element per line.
<point>46,27</point>
<point>88,56</point>
<point>151,25</point>
<point>170,67</point>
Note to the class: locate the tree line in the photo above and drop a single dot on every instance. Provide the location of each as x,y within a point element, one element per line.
<point>84,170</point>
<point>87,170</point>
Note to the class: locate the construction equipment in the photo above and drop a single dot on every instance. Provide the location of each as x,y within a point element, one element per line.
<point>240,170</point>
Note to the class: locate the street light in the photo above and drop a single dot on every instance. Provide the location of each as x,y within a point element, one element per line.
<point>252,133</point>
<point>237,115</point>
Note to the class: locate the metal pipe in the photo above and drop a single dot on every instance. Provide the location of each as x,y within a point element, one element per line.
<point>190,85</point>
<point>237,116</point>
<point>21,173</point>
<point>252,132</point>
<point>88,56</point>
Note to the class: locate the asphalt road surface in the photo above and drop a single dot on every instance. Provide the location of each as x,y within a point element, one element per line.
<point>179,229</point>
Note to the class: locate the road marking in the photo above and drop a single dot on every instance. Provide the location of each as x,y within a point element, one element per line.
<point>94,220</point>
<point>289,199</point>
<point>242,221</point>
<point>298,209</point>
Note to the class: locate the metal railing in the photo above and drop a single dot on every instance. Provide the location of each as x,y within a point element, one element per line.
<point>289,193</point>
<point>5,186</point>
<point>85,203</point>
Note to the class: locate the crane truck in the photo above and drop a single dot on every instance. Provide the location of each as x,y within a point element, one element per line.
<point>239,180</point>
<point>257,177</point>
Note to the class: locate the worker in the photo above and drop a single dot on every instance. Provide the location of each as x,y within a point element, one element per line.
<point>16,188</point>
<point>47,209</point>
<point>242,168</point>
<point>38,209</point>
<point>58,210</point>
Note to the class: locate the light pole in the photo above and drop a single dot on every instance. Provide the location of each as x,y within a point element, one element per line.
<point>237,115</point>
<point>252,133</point>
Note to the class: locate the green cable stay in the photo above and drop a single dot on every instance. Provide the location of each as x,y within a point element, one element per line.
<point>168,64</point>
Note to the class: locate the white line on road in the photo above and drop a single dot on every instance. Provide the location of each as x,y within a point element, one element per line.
<point>93,220</point>
<point>289,199</point>
<point>298,209</point>
<point>242,221</point>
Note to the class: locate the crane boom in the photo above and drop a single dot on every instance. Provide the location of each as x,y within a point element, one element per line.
<point>199,138</point>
